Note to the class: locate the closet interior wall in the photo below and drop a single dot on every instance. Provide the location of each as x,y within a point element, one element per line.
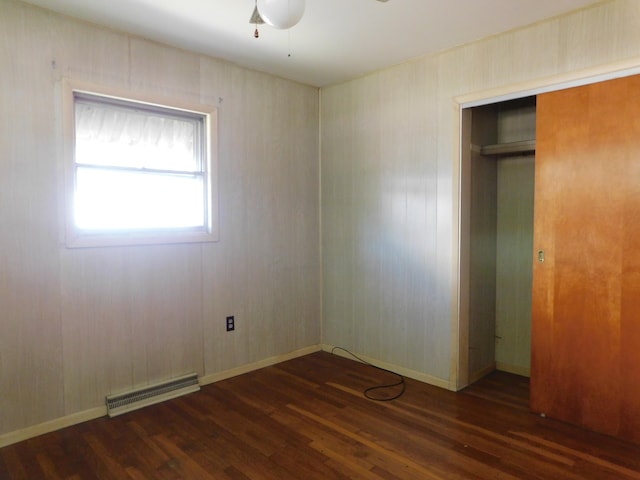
<point>500,231</point>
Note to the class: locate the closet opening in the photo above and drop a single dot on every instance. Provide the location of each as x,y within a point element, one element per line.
<point>496,237</point>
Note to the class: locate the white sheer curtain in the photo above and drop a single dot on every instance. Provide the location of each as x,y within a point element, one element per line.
<point>137,167</point>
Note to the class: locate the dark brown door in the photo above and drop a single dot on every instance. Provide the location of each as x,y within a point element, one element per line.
<point>586,295</point>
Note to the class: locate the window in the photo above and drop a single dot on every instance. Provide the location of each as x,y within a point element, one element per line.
<point>139,172</point>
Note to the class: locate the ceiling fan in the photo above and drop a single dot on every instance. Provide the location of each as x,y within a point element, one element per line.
<point>281,14</point>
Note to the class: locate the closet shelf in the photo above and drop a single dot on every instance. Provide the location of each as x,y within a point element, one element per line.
<point>523,146</point>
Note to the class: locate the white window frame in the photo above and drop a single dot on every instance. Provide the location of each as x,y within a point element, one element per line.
<point>79,238</point>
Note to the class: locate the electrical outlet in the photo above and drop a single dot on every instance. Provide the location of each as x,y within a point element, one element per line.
<point>231,323</point>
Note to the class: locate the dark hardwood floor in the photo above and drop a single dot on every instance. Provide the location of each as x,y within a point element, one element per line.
<point>307,419</point>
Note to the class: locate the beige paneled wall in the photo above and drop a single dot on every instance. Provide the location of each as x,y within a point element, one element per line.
<point>271,257</point>
<point>379,224</point>
<point>390,140</point>
<point>77,324</point>
<point>514,248</point>
<point>30,304</point>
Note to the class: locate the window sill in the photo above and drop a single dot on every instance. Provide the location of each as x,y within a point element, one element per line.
<point>84,239</point>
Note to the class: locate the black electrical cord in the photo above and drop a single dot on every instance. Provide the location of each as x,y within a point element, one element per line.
<point>367,391</point>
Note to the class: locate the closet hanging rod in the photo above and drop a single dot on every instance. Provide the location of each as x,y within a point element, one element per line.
<point>523,146</point>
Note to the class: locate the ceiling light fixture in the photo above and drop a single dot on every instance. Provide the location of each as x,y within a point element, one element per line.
<point>281,14</point>
<point>256,19</point>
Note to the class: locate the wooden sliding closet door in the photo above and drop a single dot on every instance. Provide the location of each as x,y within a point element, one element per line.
<point>586,294</point>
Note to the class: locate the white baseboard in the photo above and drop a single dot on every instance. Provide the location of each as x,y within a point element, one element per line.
<point>52,425</point>
<point>97,412</point>
<point>267,362</point>
<point>406,372</point>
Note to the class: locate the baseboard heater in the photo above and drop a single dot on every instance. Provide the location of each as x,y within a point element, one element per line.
<point>152,394</point>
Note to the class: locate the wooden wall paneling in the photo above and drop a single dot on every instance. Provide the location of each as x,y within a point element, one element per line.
<point>421,286</point>
<point>166,71</point>
<point>514,250</point>
<point>225,271</point>
<point>482,259</point>
<point>261,164</point>
<point>580,36</point>
<point>298,201</point>
<point>587,182</point>
<point>264,252</point>
<point>132,316</point>
<point>480,211</point>
<point>269,190</point>
<point>529,52</point>
<point>337,150</point>
<point>97,327</point>
<point>516,120</point>
<point>378,214</point>
<point>339,215</point>
<point>386,199</point>
<point>281,266</point>
<point>86,52</point>
<point>401,210</point>
<point>370,205</point>
<point>304,217</point>
<point>30,322</point>
<point>234,244</point>
<point>164,286</point>
<point>307,317</point>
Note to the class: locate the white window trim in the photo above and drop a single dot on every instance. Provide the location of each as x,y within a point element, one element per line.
<point>78,238</point>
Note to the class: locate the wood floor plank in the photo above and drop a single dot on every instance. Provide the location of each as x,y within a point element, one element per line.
<point>354,467</point>
<point>308,419</point>
<point>619,469</point>
<point>378,447</point>
<point>151,457</point>
<point>13,466</point>
<point>464,432</point>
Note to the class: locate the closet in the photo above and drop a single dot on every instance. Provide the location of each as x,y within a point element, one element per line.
<point>567,242</point>
<point>499,168</point>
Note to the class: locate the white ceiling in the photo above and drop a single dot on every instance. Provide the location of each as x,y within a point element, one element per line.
<point>336,40</point>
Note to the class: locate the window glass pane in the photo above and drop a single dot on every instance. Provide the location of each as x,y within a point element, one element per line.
<point>140,170</point>
<point>112,135</point>
<point>115,199</point>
